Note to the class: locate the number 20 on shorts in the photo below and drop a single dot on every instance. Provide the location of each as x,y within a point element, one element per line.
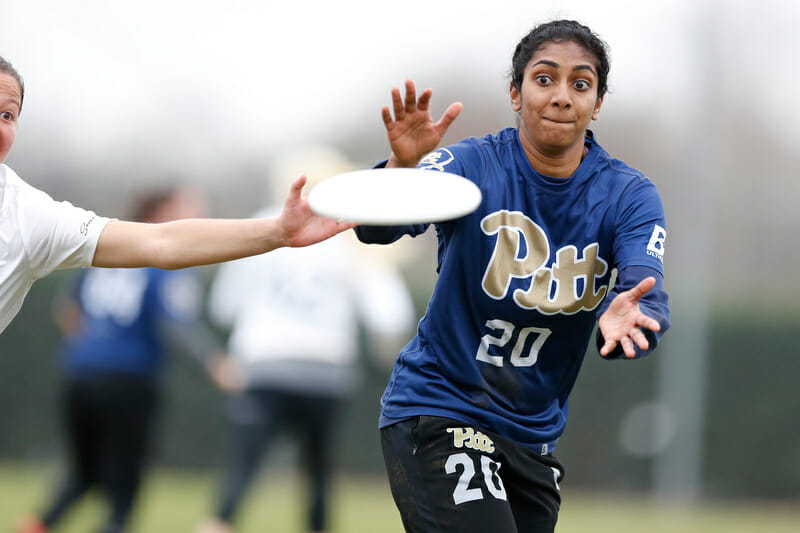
<point>491,478</point>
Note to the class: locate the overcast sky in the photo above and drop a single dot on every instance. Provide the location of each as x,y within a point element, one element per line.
<point>190,77</point>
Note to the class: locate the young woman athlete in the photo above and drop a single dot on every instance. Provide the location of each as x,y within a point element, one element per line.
<point>478,399</point>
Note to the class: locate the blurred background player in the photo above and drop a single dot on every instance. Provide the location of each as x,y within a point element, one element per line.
<point>295,341</point>
<point>118,325</point>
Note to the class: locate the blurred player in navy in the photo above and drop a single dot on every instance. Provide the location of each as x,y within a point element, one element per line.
<point>478,399</point>
<point>118,325</point>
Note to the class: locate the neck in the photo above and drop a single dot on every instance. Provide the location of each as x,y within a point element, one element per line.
<point>556,163</point>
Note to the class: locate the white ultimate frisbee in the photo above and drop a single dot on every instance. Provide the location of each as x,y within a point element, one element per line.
<point>394,196</point>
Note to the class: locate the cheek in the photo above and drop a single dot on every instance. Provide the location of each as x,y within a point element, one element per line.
<point>7,136</point>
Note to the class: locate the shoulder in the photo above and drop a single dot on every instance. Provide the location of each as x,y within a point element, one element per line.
<point>469,153</point>
<point>617,174</point>
<point>16,190</point>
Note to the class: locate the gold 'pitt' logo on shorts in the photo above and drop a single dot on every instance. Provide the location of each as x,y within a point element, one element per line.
<point>469,438</point>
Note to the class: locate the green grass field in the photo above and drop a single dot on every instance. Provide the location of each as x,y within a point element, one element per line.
<point>174,502</point>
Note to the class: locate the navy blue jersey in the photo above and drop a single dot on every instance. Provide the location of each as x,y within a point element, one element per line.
<point>521,281</point>
<point>122,313</point>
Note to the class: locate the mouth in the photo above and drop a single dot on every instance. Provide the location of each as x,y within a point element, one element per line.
<point>558,121</point>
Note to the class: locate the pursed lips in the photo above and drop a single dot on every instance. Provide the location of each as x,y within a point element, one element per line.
<point>558,121</point>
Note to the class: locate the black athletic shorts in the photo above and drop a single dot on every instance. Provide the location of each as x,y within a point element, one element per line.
<point>448,476</point>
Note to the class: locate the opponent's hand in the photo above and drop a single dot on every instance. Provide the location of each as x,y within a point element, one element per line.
<point>225,373</point>
<point>413,133</point>
<point>299,225</point>
<point>622,322</point>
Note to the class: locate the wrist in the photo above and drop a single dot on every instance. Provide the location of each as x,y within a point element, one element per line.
<point>394,162</point>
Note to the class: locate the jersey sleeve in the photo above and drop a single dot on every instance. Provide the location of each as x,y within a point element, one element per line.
<point>56,234</point>
<point>640,233</point>
<point>441,160</point>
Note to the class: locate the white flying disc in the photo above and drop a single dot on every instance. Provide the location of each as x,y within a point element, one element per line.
<point>394,196</point>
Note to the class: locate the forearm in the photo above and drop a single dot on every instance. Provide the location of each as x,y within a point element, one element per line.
<point>184,243</point>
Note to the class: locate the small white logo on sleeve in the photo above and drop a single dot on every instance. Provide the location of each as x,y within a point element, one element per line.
<point>656,245</point>
<point>436,160</point>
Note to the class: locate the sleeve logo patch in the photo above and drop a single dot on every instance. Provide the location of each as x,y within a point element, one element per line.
<point>655,247</point>
<point>436,160</point>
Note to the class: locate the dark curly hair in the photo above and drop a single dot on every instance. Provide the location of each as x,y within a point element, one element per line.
<point>9,69</point>
<point>558,31</point>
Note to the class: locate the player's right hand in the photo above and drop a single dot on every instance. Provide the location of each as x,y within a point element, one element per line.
<point>412,132</point>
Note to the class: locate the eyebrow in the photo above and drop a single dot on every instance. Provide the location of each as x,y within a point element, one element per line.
<point>556,65</point>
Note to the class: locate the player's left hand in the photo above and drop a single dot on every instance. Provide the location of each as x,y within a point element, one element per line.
<point>300,226</point>
<point>623,321</point>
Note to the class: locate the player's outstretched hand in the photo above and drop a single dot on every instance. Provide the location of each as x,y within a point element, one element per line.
<point>299,225</point>
<point>412,132</point>
<point>622,322</point>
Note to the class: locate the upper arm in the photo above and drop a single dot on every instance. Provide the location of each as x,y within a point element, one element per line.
<point>640,232</point>
<point>127,244</point>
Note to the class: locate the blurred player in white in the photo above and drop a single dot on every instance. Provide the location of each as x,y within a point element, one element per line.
<point>39,235</point>
<point>294,320</point>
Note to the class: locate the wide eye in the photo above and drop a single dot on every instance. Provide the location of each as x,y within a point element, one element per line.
<point>543,79</point>
<point>582,85</point>
<point>7,116</point>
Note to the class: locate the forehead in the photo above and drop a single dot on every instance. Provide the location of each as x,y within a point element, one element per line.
<point>9,89</point>
<point>564,53</point>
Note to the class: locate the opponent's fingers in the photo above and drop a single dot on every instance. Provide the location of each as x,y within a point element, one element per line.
<point>397,104</point>
<point>425,99</point>
<point>449,116</point>
<point>296,189</point>
<point>411,96</point>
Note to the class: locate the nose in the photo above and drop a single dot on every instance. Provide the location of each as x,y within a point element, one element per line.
<point>561,96</point>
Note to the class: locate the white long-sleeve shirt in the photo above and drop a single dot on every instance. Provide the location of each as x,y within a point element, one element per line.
<point>295,314</point>
<point>37,236</point>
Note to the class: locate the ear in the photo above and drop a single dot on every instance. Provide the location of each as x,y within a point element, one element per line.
<point>516,97</point>
<point>596,112</point>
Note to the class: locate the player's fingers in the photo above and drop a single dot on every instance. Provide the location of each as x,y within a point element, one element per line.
<point>397,104</point>
<point>608,347</point>
<point>449,116</point>
<point>411,96</point>
<point>647,322</point>
<point>639,338</point>
<point>425,99</point>
<point>627,347</point>
<point>386,115</point>
<point>643,287</point>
